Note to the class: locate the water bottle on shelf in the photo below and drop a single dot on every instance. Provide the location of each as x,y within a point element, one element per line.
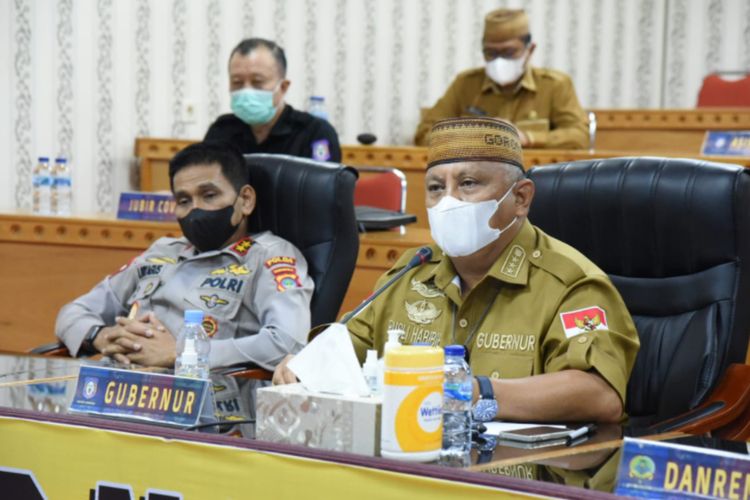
<point>457,388</point>
<point>317,107</point>
<point>61,187</point>
<point>193,347</point>
<point>42,187</point>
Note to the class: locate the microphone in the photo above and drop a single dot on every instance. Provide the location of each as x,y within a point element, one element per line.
<point>423,255</point>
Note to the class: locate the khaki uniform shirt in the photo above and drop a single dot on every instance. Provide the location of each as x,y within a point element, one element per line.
<point>544,105</point>
<point>543,307</point>
<point>255,293</point>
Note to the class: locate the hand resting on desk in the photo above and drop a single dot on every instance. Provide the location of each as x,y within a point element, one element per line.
<point>144,341</point>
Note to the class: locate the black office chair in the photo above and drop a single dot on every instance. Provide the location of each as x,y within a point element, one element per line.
<point>310,204</point>
<point>674,237</point>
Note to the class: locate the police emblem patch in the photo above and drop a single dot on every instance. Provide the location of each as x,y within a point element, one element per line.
<point>280,259</point>
<point>89,387</point>
<point>583,320</point>
<point>321,150</point>
<point>428,291</point>
<point>513,261</point>
<point>286,277</point>
<point>210,325</point>
<point>243,246</point>
<point>214,300</point>
<point>422,312</point>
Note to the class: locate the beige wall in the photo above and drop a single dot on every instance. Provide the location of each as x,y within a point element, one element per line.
<point>84,77</point>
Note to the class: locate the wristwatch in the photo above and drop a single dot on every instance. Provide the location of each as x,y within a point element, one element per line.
<point>87,346</point>
<point>486,408</point>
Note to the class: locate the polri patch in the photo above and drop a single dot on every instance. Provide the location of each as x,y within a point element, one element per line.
<point>321,150</point>
<point>583,320</point>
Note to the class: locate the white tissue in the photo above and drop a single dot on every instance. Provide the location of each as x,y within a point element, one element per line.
<point>328,364</point>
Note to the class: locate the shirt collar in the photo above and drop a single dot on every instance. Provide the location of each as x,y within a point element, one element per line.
<point>513,264</point>
<point>511,267</point>
<point>282,125</point>
<point>237,250</point>
<point>527,82</point>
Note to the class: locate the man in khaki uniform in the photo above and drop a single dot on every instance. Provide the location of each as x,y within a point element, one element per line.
<point>541,102</point>
<point>543,322</point>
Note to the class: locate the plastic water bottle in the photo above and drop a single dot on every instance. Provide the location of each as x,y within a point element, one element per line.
<point>42,187</point>
<point>61,187</point>
<point>317,107</point>
<point>457,388</point>
<point>193,347</point>
<point>370,371</point>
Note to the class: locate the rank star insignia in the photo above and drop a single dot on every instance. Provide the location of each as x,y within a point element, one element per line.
<point>214,300</point>
<point>422,312</point>
<point>425,290</point>
<point>513,261</point>
<point>243,246</point>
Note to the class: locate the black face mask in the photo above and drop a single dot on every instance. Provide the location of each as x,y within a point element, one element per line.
<point>208,229</point>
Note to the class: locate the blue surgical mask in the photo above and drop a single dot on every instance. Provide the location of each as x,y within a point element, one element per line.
<point>253,106</point>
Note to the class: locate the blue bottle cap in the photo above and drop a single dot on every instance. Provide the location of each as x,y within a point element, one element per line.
<point>194,316</point>
<point>61,160</point>
<point>44,158</point>
<point>316,98</point>
<point>455,350</point>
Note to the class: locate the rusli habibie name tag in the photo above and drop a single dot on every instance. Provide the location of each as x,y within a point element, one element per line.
<point>134,395</point>
<point>726,143</point>
<point>146,206</point>
<point>655,469</point>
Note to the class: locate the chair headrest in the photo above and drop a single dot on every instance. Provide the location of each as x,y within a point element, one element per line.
<point>645,217</point>
<point>292,192</point>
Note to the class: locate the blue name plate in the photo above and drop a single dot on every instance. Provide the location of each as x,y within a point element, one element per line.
<point>726,143</point>
<point>134,395</point>
<point>146,206</point>
<point>654,469</point>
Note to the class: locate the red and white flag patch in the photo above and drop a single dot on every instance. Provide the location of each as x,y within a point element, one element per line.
<point>583,320</point>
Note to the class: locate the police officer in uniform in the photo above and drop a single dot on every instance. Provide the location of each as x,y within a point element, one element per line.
<point>254,289</point>
<point>540,102</point>
<point>261,122</point>
<point>548,334</point>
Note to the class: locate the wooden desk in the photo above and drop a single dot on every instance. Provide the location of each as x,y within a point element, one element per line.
<point>46,262</point>
<point>154,154</point>
<point>39,435</point>
<point>664,132</point>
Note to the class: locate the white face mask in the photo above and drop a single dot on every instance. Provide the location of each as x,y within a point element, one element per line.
<point>461,228</point>
<point>505,71</point>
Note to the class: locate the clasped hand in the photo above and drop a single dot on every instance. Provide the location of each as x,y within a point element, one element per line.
<point>144,341</point>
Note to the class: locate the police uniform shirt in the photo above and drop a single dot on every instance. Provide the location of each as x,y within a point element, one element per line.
<point>295,133</point>
<point>544,106</point>
<point>255,294</point>
<point>543,307</point>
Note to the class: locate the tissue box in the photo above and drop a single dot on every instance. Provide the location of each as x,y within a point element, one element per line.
<point>292,415</point>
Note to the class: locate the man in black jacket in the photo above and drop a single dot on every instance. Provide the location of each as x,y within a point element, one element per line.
<point>261,121</point>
